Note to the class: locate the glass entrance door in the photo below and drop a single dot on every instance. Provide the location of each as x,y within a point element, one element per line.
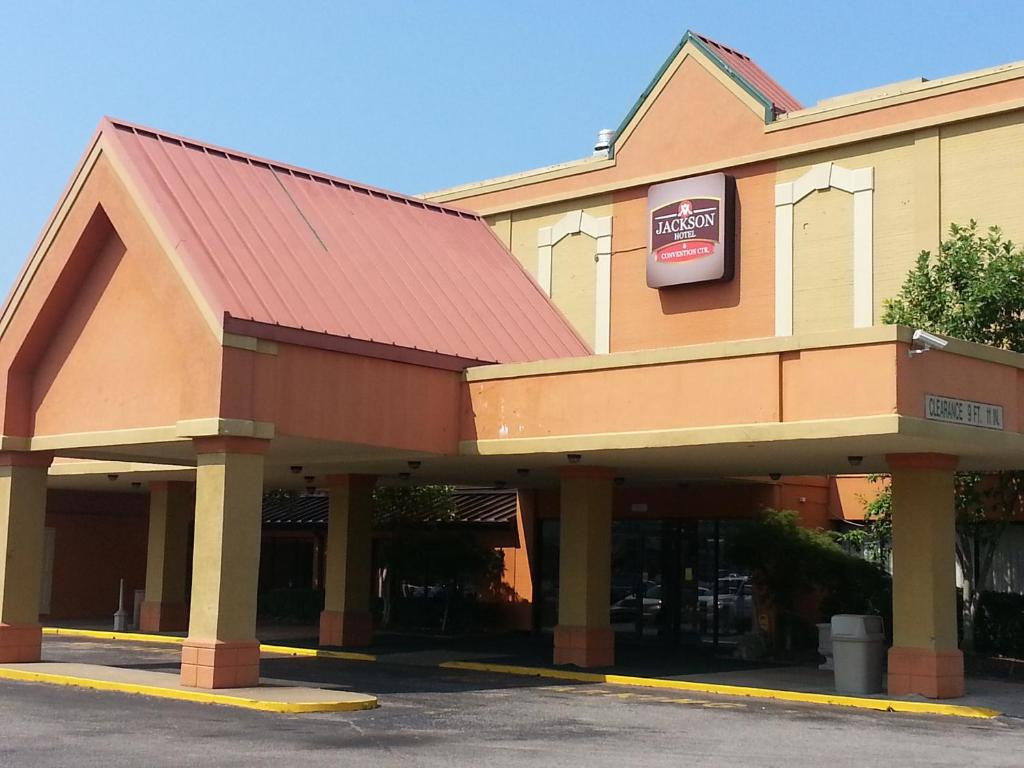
<point>637,592</point>
<point>654,579</point>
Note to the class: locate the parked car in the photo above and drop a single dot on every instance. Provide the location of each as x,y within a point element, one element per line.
<point>626,609</point>
<point>735,603</point>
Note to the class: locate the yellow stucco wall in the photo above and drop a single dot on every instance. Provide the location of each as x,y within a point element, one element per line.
<point>823,231</point>
<point>924,181</point>
<point>573,270</point>
<point>823,262</point>
<point>573,281</point>
<point>501,226</point>
<point>982,172</point>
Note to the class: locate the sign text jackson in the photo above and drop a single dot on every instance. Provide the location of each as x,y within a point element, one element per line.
<point>691,231</point>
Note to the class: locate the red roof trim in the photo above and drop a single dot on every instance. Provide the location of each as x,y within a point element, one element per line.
<point>349,345</point>
<point>745,67</point>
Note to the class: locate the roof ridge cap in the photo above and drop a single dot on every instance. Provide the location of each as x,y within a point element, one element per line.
<point>717,44</point>
<point>150,132</point>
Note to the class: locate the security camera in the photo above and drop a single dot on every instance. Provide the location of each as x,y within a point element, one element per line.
<point>922,341</point>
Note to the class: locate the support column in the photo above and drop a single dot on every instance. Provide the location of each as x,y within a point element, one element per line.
<point>170,508</point>
<point>584,635</point>
<point>925,658</point>
<point>346,618</point>
<point>22,517</point>
<point>221,650</point>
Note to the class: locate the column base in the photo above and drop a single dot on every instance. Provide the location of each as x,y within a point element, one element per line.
<point>585,646</point>
<point>163,617</point>
<point>219,664</point>
<point>933,674</point>
<point>20,643</point>
<point>349,628</point>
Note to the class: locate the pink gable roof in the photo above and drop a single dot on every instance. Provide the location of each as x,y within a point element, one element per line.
<point>278,245</point>
<point>748,69</point>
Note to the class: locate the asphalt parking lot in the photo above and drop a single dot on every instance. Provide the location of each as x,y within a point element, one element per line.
<point>439,717</point>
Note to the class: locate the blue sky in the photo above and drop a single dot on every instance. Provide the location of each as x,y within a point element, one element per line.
<point>416,96</point>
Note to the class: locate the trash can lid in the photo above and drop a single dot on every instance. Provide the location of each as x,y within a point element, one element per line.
<point>852,625</point>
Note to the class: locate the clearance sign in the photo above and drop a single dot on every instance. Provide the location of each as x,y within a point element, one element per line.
<point>690,239</point>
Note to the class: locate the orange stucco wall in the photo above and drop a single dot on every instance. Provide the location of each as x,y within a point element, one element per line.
<point>625,399</point>
<point>741,308</point>
<point>676,130</point>
<point>105,317</point>
<point>848,495</point>
<point>938,373</point>
<point>694,144</point>
<point>789,386</point>
<point>810,377</point>
<point>99,538</point>
<point>724,501</point>
<point>329,395</point>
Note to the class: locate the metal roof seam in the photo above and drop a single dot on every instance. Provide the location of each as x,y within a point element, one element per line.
<point>304,251</point>
<point>213,236</point>
<point>414,294</point>
<point>312,268</point>
<point>397,314</point>
<point>258,234</point>
<point>219,197</point>
<point>126,125</point>
<point>447,289</point>
<point>515,317</point>
<point>332,273</point>
<point>186,253</point>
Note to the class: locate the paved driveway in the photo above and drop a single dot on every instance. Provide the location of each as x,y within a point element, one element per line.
<point>431,717</point>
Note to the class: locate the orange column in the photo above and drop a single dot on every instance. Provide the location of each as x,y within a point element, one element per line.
<point>22,516</point>
<point>584,636</point>
<point>924,658</point>
<point>346,618</point>
<point>221,650</point>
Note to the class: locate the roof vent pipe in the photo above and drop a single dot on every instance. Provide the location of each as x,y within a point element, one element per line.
<point>604,142</point>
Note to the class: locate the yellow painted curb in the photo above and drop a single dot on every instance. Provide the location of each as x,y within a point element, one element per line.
<point>882,705</point>
<point>288,650</point>
<point>101,634</point>
<point>136,637</point>
<point>202,697</point>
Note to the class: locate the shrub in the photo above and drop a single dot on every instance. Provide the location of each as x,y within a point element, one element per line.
<point>302,606</point>
<point>1000,624</point>
<point>789,561</point>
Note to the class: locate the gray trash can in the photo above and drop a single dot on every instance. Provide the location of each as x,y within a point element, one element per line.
<point>858,650</point>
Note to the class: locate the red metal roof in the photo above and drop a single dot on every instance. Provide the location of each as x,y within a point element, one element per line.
<point>278,245</point>
<point>760,80</point>
<point>471,506</point>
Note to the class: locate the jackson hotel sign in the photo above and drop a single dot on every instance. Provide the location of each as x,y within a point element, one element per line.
<point>690,239</point>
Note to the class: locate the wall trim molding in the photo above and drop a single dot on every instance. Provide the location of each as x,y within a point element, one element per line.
<point>859,182</point>
<point>600,229</point>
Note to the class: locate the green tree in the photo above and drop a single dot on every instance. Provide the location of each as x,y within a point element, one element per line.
<point>419,545</point>
<point>874,539</point>
<point>972,289</point>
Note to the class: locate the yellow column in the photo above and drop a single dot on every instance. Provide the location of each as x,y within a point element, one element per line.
<point>22,517</point>
<point>221,650</point>
<point>346,617</point>
<point>584,636</point>
<point>170,509</point>
<point>924,658</point>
